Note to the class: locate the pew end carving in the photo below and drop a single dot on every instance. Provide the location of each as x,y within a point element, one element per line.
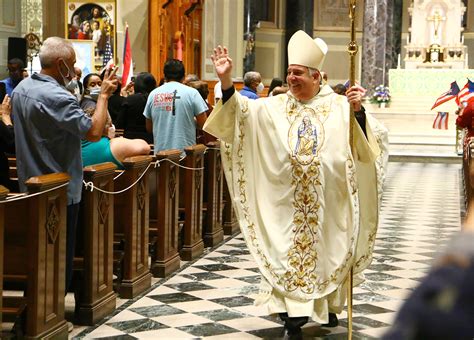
<point>213,233</point>
<point>164,204</point>
<point>131,224</point>
<point>192,199</point>
<point>34,248</point>
<point>95,297</point>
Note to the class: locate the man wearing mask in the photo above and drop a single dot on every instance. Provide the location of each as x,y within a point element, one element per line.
<point>253,85</point>
<point>49,126</point>
<point>15,74</point>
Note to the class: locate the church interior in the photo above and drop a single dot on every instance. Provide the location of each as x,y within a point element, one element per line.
<point>160,252</point>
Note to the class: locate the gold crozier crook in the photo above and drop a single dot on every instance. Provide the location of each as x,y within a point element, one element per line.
<point>352,49</point>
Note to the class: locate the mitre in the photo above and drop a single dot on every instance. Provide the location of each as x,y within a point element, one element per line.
<point>306,51</point>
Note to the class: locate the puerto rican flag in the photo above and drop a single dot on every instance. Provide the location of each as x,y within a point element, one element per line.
<point>467,93</point>
<point>127,72</point>
<point>441,121</point>
<point>447,96</point>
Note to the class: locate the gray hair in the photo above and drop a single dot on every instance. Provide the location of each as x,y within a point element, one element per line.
<point>313,71</point>
<point>251,77</point>
<point>54,48</point>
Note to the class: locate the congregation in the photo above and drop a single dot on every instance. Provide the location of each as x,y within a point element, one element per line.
<point>47,111</point>
<point>292,147</point>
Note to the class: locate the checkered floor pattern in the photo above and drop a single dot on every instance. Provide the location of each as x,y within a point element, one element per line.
<point>212,297</point>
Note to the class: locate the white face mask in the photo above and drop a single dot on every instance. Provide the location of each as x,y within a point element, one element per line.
<point>94,92</point>
<point>260,87</point>
<point>70,85</point>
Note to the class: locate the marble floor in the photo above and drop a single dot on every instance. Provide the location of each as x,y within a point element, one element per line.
<point>212,297</point>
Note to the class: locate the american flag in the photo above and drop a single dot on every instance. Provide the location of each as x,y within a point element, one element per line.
<point>108,52</point>
<point>448,95</point>
<point>467,93</point>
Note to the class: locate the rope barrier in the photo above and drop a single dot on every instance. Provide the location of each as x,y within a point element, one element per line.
<point>23,196</point>
<point>179,165</point>
<point>120,174</point>
<point>91,186</point>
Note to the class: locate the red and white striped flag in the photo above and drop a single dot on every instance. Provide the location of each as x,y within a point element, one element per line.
<point>467,93</point>
<point>127,71</point>
<point>441,121</point>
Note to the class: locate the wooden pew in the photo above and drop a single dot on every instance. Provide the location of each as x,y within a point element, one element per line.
<point>164,204</point>
<point>192,190</point>
<point>35,248</point>
<point>95,297</point>
<point>230,223</point>
<point>131,224</point>
<point>3,195</point>
<point>213,233</point>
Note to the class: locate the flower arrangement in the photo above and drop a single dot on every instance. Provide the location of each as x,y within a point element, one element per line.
<point>381,95</point>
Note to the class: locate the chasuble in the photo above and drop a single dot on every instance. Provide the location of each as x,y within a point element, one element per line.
<point>306,203</point>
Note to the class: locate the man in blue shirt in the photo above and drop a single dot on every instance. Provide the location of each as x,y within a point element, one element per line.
<point>15,71</point>
<point>173,110</point>
<point>253,85</point>
<point>49,126</point>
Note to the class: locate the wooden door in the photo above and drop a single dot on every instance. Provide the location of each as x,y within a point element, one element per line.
<point>175,30</point>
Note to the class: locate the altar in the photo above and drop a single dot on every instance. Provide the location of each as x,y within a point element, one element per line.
<point>426,82</point>
<point>435,36</point>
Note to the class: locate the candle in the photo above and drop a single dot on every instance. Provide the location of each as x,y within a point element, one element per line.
<point>462,39</point>
<point>398,62</point>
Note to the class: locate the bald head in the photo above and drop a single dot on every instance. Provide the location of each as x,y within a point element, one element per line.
<point>55,48</point>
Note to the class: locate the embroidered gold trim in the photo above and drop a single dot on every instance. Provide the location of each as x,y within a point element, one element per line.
<point>302,256</point>
<point>244,202</point>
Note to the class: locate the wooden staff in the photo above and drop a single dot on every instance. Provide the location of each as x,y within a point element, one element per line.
<point>352,49</point>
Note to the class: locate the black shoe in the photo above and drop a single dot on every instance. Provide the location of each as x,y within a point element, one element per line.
<point>293,334</point>
<point>333,321</point>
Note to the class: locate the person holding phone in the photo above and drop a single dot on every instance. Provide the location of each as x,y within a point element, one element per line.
<point>49,126</point>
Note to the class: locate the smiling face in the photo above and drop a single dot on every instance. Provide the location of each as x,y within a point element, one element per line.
<point>302,84</point>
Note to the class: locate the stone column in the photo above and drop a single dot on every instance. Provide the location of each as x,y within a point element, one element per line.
<point>394,33</point>
<point>299,16</point>
<point>374,43</point>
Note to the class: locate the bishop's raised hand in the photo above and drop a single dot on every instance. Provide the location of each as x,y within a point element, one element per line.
<point>223,66</point>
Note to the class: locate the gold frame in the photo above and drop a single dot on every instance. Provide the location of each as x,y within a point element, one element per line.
<point>109,6</point>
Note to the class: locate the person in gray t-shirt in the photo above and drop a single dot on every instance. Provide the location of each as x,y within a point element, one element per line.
<point>49,125</point>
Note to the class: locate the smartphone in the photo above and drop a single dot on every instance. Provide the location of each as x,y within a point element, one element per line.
<point>3,91</point>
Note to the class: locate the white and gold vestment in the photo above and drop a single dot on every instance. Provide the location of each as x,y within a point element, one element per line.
<point>307,206</point>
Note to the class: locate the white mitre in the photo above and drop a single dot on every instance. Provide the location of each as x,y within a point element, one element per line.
<point>304,51</point>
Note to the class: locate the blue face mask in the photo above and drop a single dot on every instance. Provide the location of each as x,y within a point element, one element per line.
<point>94,92</point>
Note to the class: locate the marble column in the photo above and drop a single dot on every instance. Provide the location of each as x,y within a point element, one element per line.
<point>374,43</point>
<point>250,22</point>
<point>394,34</point>
<point>299,16</point>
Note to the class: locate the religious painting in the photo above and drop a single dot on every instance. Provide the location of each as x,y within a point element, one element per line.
<point>85,58</point>
<point>95,22</point>
<point>333,15</point>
